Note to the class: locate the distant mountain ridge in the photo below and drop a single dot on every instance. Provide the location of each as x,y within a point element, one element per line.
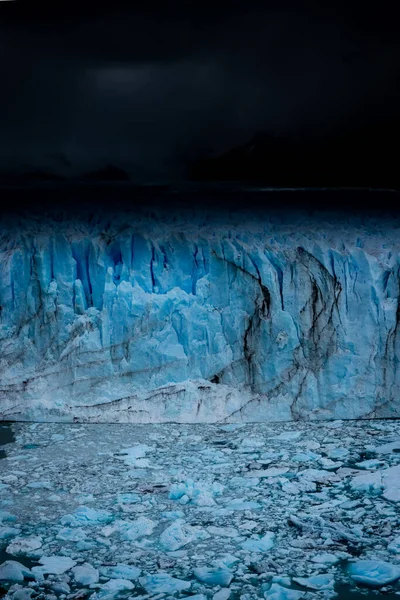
<point>359,157</point>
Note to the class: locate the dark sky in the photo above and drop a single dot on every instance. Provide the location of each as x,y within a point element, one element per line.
<point>149,86</point>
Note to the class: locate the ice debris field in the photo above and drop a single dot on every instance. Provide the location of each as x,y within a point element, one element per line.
<point>196,317</point>
<point>203,511</point>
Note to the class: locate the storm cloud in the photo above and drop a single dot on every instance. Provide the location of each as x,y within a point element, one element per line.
<point>152,87</point>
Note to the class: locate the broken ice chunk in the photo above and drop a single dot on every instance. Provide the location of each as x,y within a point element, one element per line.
<point>85,574</point>
<point>242,504</point>
<point>71,535</point>
<point>288,436</point>
<point>223,531</point>
<point>387,448</point>
<point>20,546</point>
<point>278,592</point>
<point>368,482</point>
<point>11,570</point>
<point>213,576</point>
<point>197,493</point>
<point>128,498</point>
<point>113,588</point>
<point>86,516</point>
<point>179,534</point>
<point>222,594</point>
<point>271,472</point>
<point>137,529</point>
<point>121,571</point>
<point>316,582</point>
<point>394,546</point>
<point>163,583</point>
<point>8,532</point>
<point>374,573</point>
<point>262,544</point>
<point>55,565</point>
<point>325,559</point>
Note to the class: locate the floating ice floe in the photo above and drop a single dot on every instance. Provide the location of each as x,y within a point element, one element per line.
<point>55,565</point>
<point>221,594</point>
<point>85,515</point>
<point>11,570</point>
<point>384,481</point>
<point>387,448</point>
<point>278,592</point>
<point>179,534</point>
<point>325,559</point>
<point>213,576</point>
<point>121,571</point>
<point>271,472</point>
<point>113,588</point>
<point>261,544</point>
<point>85,574</point>
<point>137,529</point>
<point>242,504</point>
<point>316,582</point>
<point>374,573</point>
<point>21,546</point>
<point>197,493</point>
<point>162,583</point>
<point>394,545</point>
<point>8,532</point>
<point>67,534</point>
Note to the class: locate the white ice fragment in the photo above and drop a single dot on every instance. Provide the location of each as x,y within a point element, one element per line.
<point>230,532</point>
<point>260,544</point>
<point>388,448</point>
<point>385,481</point>
<point>21,546</point>
<point>374,573</point>
<point>179,534</point>
<point>325,559</point>
<point>391,480</point>
<point>23,594</point>
<point>137,529</point>
<point>271,472</point>
<point>71,535</point>
<point>56,565</point>
<point>316,582</point>
<point>40,485</point>
<point>278,592</point>
<point>86,516</point>
<point>338,453</point>
<point>394,545</point>
<point>371,464</point>
<point>11,570</point>
<point>242,504</point>
<point>162,583</point>
<point>128,498</point>
<point>85,574</point>
<point>213,576</point>
<point>227,560</point>
<point>113,588</point>
<point>195,492</point>
<point>121,571</point>
<point>222,594</point>
<point>8,532</point>
<point>288,436</point>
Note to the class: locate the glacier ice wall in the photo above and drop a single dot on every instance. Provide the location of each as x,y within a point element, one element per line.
<point>199,319</point>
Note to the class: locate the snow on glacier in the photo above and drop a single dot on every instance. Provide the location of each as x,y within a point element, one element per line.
<point>199,318</point>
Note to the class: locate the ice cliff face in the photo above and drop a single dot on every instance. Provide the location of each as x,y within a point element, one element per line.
<point>199,319</point>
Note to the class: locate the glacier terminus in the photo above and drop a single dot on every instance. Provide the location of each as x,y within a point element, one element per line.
<point>199,316</point>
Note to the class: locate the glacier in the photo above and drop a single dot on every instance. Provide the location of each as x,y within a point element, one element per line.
<point>199,316</point>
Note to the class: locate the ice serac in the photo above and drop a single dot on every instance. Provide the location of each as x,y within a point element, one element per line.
<point>199,319</point>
